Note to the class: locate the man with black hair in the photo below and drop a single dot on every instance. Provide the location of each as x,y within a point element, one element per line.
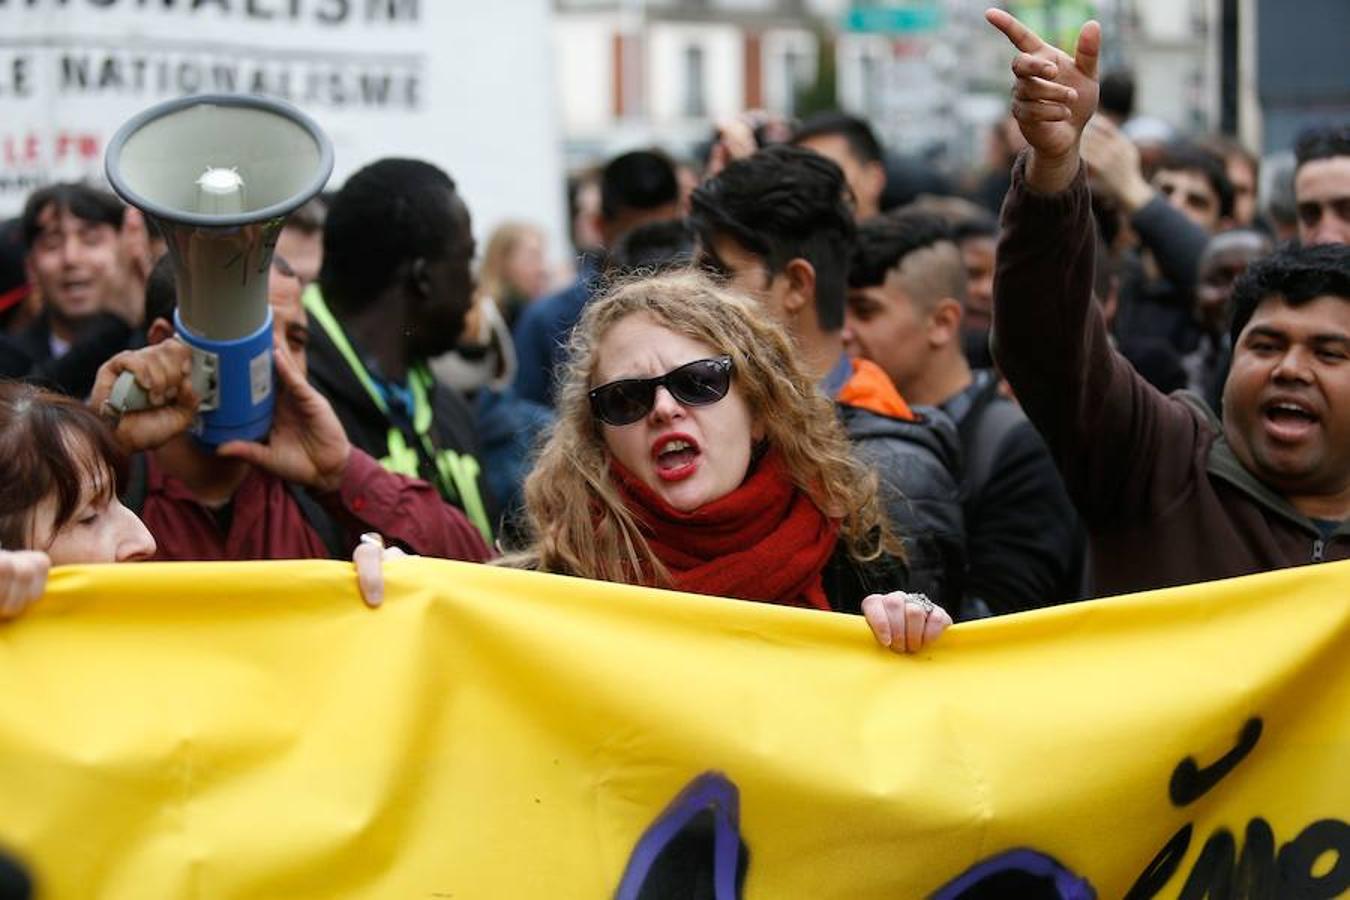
<point>1195,181</point>
<point>1243,169</point>
<point>1188,178</point>
<point>853,146</point>
<point>306,493</point>
<point>635,188</point>
<point>1170,494</point>
<point>394,289</point>
<point>778,226</point>
<point>1322,185</point>
<point>81,260</point>
<point>654,247</point>
<point>906,297</point>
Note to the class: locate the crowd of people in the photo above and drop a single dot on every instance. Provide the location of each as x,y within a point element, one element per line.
<point>803,375</point>
<point>800,375</point>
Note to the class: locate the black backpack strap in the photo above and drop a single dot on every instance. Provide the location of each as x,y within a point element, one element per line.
<point>992,423</point>
<point>983,428</point>
<point>333,537</point>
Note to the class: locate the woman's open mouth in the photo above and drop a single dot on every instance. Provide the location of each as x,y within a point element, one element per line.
<point>676,456</point>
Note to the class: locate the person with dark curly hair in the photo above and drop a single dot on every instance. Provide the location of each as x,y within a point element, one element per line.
<point>1170,494</point>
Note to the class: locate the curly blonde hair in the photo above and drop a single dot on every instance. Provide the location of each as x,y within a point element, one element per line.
<point>576,520</point>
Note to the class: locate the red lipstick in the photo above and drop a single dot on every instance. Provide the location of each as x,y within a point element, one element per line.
<point>676,456</point>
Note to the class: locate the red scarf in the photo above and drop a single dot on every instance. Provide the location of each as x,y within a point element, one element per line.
<point>766,540</point>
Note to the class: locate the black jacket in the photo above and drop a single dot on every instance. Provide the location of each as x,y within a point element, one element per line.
<point>451,434</point>
<point>28,355</point>
<point>1162,308</point>
<point>1024,544</point>
<point>918,464</point>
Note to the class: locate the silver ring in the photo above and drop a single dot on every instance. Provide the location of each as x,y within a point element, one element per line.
<point>921,600</point>
<point>373,538</point>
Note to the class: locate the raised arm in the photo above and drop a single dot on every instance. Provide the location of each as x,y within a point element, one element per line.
<point>1104,425</point>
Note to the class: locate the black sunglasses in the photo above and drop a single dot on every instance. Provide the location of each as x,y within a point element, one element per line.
<point>698,383</point>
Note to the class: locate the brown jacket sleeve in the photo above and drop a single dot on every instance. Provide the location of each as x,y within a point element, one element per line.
<point>1125,451</point>
<point>406,511</point>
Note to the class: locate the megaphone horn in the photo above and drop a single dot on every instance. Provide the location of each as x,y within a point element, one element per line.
<point>218,174</point>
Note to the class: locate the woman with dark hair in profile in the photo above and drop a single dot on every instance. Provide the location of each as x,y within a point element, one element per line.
<point>59,471</point>
<point>693,452</point>
<point>59,474</point>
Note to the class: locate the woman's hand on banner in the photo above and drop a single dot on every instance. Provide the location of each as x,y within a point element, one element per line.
<point>903,622</point>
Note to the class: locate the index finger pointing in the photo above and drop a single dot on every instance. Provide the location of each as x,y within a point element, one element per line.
<point>1022,37</point>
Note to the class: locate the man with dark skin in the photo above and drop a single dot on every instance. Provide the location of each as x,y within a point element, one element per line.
<point>393,293</point>
<point>1226,257</point>
<point>1170,495</point>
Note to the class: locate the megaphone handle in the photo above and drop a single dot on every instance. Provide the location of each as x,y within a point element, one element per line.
<point>126,396</point>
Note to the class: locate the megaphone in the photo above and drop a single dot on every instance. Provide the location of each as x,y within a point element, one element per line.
<point>218,174</point>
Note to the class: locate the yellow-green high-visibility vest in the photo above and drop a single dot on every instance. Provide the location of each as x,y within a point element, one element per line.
<point>455,474</point>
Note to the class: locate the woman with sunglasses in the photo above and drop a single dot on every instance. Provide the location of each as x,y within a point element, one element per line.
<point>693,452</point>
<point>59,505</point>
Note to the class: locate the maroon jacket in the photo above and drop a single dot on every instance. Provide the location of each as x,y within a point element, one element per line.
<point>266,521</point>
<point>1163,496</point>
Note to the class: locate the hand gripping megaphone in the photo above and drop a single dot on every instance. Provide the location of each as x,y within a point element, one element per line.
<point>218,174</point>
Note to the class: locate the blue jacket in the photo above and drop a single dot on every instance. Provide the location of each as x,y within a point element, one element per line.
<point>541,336</point>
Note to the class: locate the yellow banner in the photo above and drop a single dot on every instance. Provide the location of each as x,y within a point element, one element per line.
<point>251,730</point>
